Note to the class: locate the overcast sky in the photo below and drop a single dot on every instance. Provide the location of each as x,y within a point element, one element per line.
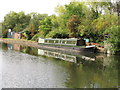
<point>28,6</point>
<point>40,6</point>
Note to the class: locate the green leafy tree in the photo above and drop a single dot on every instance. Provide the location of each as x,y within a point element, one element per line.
<point>36,18</point>
<point>0,29</point>
<point>113,38</point>
<point>32,29</point>
<point>45,26</point>
<point>65,12</point>
<point>58,33</point>
<point>16,21</point>
<point>75,8</point>
<point>102,23</point>
<point>85,27</point>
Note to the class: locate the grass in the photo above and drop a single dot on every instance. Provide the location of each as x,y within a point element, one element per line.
<point>18,39</point>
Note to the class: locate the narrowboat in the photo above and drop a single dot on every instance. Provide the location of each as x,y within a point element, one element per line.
<point>67,44</point>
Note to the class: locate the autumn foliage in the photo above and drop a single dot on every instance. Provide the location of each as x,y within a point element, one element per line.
<point>73,24</point>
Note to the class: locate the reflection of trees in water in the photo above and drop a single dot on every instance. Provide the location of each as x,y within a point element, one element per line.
<point>0,45</point>
<point>91,74</point>
<point>29,50</point>
<point>17,47</point>
<point>4,46</point>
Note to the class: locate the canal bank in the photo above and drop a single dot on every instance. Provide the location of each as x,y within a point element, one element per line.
<point>20,42</point>
<point>53,47</point>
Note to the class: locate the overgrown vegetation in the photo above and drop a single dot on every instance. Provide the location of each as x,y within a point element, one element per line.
<point>113,38</point>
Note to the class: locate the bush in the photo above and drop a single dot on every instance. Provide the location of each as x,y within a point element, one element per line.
<point>4,33</point>
<point>35,37</point>
<point>58,34</point>
<point>113,38</point>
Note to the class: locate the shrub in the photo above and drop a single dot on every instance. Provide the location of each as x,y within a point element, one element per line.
<point>113,38</point>
<point>57,34</point>
<point>35,37</point>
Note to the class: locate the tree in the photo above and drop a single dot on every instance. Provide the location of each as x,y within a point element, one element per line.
<point>35,19</point>
<point>16,21</point>
<point>113,38</point>
<point>96,22</point>
<point>0,29</point>
<point>31,29</point>
<point>73,26</point>
<point>65,12</point>
<point>102,23</point>
<point>75,8</point>
<point>45,26</point>
<point>58,33</point>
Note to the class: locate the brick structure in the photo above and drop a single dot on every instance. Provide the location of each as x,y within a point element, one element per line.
<point>17,35</point>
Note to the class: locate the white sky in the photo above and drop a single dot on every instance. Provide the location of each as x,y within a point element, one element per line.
<point>28,6</point>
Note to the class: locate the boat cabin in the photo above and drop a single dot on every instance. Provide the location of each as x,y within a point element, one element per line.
<point>67,42</point>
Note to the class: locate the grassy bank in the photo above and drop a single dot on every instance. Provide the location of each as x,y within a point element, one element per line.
<point>20,42</point>
<point>17,39</point>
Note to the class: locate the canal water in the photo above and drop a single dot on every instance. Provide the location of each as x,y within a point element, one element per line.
<point>28,67</point>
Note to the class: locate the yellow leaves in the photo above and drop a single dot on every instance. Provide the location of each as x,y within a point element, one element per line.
<point>81,28</point>
<point>103,22</point>
<point>60,9</point>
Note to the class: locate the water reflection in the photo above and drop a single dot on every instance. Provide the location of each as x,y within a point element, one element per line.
<point>44,68</point>
<point>21,70</point>
<point>0,67</point>
<point>57,55</point>
<point>95,74</point>
<point>20,48</point>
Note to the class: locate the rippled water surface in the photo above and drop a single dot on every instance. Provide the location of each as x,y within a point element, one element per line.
<point>26,67</point>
